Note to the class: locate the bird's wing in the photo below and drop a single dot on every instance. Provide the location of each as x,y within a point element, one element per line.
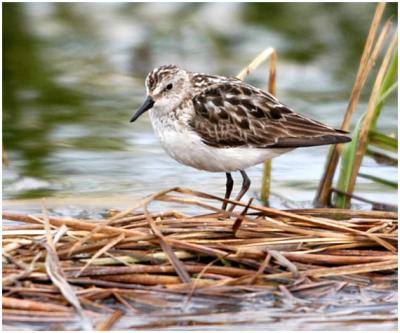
<point>235,114</point>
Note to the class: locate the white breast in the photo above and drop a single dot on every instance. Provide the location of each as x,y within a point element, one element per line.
<point>186,147</point>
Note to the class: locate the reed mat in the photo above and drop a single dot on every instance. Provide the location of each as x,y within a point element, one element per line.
<point>96,273</point>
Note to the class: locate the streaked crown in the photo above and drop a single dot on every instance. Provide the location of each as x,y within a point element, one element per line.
<point>167,83</point>
<point>160,74</point>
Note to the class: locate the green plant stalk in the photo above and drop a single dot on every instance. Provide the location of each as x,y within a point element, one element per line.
<point>266,182</point>
<point>350,150</point>
<point>388,86</point>
<point>346,166</point>
<point>383,141</point>
<point>379,180</point>
<point>389,91</point>
<point>372,47</point>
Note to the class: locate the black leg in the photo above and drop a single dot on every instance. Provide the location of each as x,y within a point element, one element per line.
<point>229,187</point>
<point>245,186</point>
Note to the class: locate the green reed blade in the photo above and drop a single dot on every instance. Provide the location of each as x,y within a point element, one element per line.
<point>350,150</point>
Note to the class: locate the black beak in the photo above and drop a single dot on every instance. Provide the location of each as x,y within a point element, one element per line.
<point>147,105</point>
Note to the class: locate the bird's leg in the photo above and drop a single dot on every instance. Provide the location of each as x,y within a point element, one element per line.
<point>229,187</point>
<point>245,186</point>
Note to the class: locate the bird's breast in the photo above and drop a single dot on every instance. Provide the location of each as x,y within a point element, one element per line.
<point>184,145</point>
<point>174,135</point>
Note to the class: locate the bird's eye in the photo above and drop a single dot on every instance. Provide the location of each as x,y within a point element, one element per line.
<point>169,86</point>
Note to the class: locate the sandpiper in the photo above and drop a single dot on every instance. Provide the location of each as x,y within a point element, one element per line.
<point>222,124</point>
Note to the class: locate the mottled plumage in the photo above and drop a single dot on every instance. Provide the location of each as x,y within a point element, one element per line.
<point>231,113</point>
<point>223,124</point>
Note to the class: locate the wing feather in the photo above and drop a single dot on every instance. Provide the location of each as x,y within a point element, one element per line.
<point>232,113</point>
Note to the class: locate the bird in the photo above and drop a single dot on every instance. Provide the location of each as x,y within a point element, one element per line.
<point>223,124</point>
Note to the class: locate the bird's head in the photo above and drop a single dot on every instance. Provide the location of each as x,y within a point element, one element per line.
<point>166,87</point>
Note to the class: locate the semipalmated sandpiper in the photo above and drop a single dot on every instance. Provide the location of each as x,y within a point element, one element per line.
<point>222,124</point>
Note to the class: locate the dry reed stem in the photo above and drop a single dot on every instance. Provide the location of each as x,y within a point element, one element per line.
<point>109,245</point>
<point>257,61</point>
<point>79,224</point>
<point>138,268</point>
<point>343,270</point>
<point>26,270</point>
<point>104,225</point>
<point>52,314</point>
<point>239,220</point>
<point>55,273</point>
<point>24,304</point>
<point>110,321</point>
<point>261,269</point>
<point>325,185</point>
<point>344,213</point>
<point>267,170</point>
<point>318,221</point>
<point>125,303</point>
<point>143,279</point>
<point>370,113</point>
<point>176,263</point>
<point>197,281</point>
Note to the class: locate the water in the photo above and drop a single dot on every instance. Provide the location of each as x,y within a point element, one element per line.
<point>73,74</point>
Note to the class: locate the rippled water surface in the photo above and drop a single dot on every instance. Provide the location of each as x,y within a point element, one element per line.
<point>74,74</point>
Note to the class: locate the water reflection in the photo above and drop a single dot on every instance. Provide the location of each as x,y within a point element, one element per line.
<point>73,74</point>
